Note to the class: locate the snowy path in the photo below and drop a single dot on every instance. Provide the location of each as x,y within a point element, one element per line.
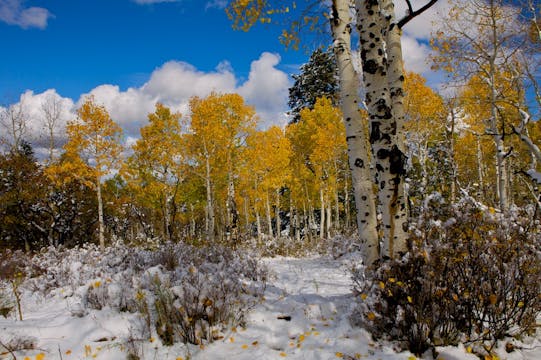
<point>316,295</point>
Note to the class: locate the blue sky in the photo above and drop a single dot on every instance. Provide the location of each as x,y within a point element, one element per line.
<point>130,54</point>
<point>87,43</point>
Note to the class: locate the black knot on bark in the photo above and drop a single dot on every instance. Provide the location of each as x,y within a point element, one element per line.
<point>370,66</point>
<point>375,133</point>
<point>397,161</point>
<point>383,154</point>
<point>359,163</point>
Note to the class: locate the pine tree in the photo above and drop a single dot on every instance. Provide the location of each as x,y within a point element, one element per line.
<point>318,78</point>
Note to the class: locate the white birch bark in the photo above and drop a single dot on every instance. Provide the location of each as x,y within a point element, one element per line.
<point>321,215</point>
<point>210,202</point>
<point>269,217</point>
<point>329,219</point>
<point>383,78</point>
<point>101,225</point>
<point>277,215</point>
<point>356,133</point>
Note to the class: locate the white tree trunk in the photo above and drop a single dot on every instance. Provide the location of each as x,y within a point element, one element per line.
<point>258,224</point>
<point>101,225</point>
<point>210,202</point>
<point>321,215</point>
<point>381,57</point>
<point>269,217</point>
<point>329,219</point>
<point>277,215</point>
<point>356,133</point>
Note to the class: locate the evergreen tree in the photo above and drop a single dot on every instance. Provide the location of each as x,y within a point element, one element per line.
<point>318,78</point>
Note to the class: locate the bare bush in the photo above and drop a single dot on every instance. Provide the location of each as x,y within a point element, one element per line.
<point>472,275</point>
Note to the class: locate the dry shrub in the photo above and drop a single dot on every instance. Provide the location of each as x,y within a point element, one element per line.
<point>472,276</point>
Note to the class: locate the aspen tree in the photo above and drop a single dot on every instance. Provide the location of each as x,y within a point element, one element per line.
<point>94,141</point>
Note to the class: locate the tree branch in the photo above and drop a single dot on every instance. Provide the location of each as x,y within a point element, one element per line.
<point>411,14</point>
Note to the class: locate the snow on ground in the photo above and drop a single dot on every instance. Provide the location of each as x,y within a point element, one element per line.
<point>304,316</point>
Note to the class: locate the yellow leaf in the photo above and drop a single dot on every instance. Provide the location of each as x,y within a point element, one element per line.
<point>412,357</point>
<point>410,300</point>
<point>381,285</point>
<point>493,299</point>
<point>339,354</point>
<point>26,358</point>
<point>520,304</point>
<point>231,339</point>
<point>364,296</point>
<point>371,316</point>
<point>469,350</point>
<point>244,346</point>
<point>68,352</point>
<point>358,356</point>
<point>179,358</point>
<point>301,338</point>
<point>283,354</point>
<point>392,280</point>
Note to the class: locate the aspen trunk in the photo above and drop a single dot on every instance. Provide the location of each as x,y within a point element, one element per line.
<point>258,224</point>
<point>101,225</point>
<point>247,217</point>
<point>346,203</point>
<point>297,225</point>
<point>321,215</point>
<point>210,204</point>
<point>480,168</point>
<point>277,215</point>
<point>269,217</point>
<point>381,57</point>
<point>167,222</point>
<point>329,219</point>
<point>192,221</point>
<point>356,133</point>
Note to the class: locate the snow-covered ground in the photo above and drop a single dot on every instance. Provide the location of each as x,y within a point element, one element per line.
<point>304,315</point>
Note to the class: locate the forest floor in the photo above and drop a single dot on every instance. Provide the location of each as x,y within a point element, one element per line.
<point>304,315</point>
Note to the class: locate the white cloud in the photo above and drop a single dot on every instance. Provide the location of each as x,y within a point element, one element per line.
<point>128,108</point>
<point>267,89</point>
<point>415,55</point>
<point>175,81</point>
<point>217,4</point>
<point>13,12</point>
<point>172,84</point>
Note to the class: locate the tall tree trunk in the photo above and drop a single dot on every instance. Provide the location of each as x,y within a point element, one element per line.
<point>346,203</point>
<point>101,225</point>
<point>356,133</point>
<point>329,218</point>
<point>258,224</point>
<point>210,202</point>
<point>269,217</point>
<point>452,156</point>
<point>167,222</point>
<point>297,225</point>
<point>480,168</point>
<point>277,215</point>
<point>247,217</point>
<point>321,215</point>
<point>192,221</point>
<point>381,56</point>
